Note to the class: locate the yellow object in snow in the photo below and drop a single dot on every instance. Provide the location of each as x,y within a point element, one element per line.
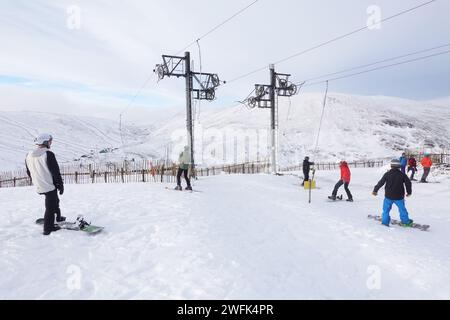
<point>313,184</point>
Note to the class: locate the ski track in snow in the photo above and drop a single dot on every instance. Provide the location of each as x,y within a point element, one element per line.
<point>243,237</point>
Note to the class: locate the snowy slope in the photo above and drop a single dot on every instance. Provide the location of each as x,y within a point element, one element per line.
<point>354,128</point>
<point>242,237</point>
<point>74,137</point>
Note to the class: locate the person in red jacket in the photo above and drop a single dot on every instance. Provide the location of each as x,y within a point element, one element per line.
<point>345,180</point>
<point>412,166</point>
<point>426,164</point>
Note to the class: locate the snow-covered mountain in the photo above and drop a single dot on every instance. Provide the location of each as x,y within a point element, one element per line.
<point>76,138</point>
<point>353,127</point>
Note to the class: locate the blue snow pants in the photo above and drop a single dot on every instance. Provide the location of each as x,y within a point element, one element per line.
<point>387,206</point>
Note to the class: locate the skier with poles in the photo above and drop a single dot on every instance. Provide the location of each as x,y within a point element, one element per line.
<point>43,170</point>
<point>184,162</point>
<point>344,180</point>
<point>396,182</point>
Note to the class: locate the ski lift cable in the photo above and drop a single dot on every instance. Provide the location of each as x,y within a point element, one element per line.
<point>321,120</point>
<point>130,103</point>
<point>377,68</point>
<point>218,26</point>
<point>201,37</point>
<point>375,63</point>
<point>333,40</point>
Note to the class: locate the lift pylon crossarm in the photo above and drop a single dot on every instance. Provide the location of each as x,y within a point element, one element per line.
<point>211,80</point>
<point>171,66</point>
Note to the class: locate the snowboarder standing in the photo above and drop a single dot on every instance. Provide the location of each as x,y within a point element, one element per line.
<point>403,162</point>
<point>184,162</point>
<point>306,168</point>
<point>412,166</point>
<point>395,182</point>
<point>426,164</point>
<point>345,180</point>
<point>43,170</point>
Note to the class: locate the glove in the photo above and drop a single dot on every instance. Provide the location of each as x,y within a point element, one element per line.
<point>61,190</point>
<point>374,193</point>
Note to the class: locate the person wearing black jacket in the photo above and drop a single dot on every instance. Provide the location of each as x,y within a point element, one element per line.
<point>396,181</point>
<point>306,168</point>
<point>43,170</point>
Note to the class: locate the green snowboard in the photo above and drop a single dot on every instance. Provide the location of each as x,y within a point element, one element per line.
<point>423,227</point>
<point>79,225</point>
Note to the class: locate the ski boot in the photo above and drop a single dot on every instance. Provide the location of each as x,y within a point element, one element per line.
<point>350,200</point>
<point>60,219</point>
<point>178,188</point>
<point>188,188</point>
<point>332,198</point>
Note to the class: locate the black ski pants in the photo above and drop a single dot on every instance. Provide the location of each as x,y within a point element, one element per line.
<point>306,176</point>
<point>426,172</point>
<point>51,208</point>
<point>347,190</point>
<point>186,177</point>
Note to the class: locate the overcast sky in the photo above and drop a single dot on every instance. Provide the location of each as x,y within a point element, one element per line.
<point>49,62</point>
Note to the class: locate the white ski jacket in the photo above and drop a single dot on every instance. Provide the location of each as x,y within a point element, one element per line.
<point>43,170</point>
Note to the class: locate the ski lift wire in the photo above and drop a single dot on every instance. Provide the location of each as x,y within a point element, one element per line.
<point>378,68</point>
<point>332,40</point>
<point>321,119</point>
<point>218,26</point>
<point>375,63</point>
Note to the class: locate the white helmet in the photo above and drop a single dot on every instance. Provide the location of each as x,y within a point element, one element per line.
<point>43,138</point>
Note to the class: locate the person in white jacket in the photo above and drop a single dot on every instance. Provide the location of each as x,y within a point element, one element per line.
<point>43,170</point>
<point>184,162</point>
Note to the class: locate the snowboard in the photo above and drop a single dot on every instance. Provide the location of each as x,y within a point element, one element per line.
<point>173,189</point>
<point>422,227</point>
<point>79,225</point>
<point>341,197</point>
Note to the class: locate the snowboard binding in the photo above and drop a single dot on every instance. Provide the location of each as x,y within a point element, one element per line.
<point>82,223</point>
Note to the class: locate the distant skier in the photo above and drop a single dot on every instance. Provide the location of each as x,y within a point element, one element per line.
<point>306,168</point>
<point>184,162</point>
<point>43,170</point>
<point>395,182</point>
<point>426,164</point>
<point>412,166</point>
<point>345,180</point>
<point>403,162</point>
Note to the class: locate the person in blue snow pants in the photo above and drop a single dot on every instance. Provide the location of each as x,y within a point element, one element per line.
<point>396,181</point>
<point>403,162</point>
<point>387,206</point>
